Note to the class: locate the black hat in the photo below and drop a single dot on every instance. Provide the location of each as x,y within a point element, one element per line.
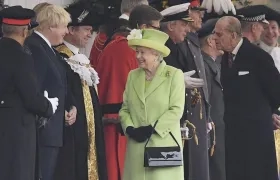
<point>17,16</point>
<point>177,12</point>
<point>207,28</point>
<point>272,15</point>
<point>255,13</point>
<point>85,13</point>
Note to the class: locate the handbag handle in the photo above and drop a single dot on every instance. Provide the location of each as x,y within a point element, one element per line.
<point>154,131</point>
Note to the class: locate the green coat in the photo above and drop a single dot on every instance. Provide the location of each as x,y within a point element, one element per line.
<point>164,101</point>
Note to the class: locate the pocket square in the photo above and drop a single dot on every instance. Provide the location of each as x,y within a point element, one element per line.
<point>241,73</point>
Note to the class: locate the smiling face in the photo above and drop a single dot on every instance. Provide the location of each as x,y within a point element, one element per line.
<point>57,34</point>
<point>147,58</point>
<point>271,33</point>
<point>178,30</point>
<point>81,35</point>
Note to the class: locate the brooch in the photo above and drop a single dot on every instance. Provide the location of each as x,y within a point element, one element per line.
<point>167,74</point>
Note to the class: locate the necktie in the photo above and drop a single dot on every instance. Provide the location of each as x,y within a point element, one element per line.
<point>230,59</point>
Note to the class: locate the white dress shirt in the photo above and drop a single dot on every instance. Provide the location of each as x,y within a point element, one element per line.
<point>237,47</point>
<point>73,48</point>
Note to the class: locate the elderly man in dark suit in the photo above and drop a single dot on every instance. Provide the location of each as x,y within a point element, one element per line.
<point>51,74</point>
<point>20,100</point>
<point>213,73</point>
<point>251,85</point>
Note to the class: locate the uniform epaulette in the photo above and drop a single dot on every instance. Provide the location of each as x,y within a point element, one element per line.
<point>63,49</point>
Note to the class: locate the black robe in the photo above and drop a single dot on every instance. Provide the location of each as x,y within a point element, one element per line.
<point>72,160</point>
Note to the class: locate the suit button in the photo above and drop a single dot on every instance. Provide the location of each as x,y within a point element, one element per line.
<point>198,71</point>
<point>2,102</point>
<point>194,56</point>
<point>186,94</point>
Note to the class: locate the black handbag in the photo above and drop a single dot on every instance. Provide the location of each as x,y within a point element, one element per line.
<point>163,156</point>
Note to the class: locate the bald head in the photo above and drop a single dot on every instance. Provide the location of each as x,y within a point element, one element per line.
<point>227,33</point>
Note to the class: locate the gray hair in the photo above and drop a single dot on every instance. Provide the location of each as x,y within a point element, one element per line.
<point>246,26</point>
<point>9,30</point>
<point>128,5</point>
<point>233,25</point>
<point>164,25</point>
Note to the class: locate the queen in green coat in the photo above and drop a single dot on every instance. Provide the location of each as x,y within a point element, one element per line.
<point>154,92</point>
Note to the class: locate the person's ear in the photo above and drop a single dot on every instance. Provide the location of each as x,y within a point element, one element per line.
<point>143,26</point>
<point>71,30</point>
<point>254,27</point>
<point>171,26</point>
<point>209,41</point>
<point>25,32</point>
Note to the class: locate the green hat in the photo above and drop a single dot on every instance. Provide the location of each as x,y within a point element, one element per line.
<point>149,38</point>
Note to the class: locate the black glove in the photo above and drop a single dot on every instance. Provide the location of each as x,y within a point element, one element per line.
<point>145,130</point>
<point>139,134</point>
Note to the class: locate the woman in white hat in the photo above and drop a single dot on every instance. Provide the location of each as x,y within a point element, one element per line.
<point>153,104</point>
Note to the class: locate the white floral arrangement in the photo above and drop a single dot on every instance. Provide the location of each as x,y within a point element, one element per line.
<point>135,34</point>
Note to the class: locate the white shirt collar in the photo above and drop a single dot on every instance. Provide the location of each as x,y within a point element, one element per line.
<point>266,47</point>
<point>124,16</point>
<point>43,37</point>
<point>237,47</point>
<point>73,48</point>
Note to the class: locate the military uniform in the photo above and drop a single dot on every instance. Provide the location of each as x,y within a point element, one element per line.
<point>187,56</point>
<point>20,103</point>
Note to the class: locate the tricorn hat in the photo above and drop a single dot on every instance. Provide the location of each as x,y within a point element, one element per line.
<point>85,13</point>
<point>149,38</point>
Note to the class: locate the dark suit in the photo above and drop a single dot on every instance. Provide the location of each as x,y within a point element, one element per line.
<point>251,93</point>
<point>215,89</point>
<point>20,102</point>
<point>51,77</point>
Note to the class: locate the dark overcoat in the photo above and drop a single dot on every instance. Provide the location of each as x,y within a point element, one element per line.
<point>20,102</point>
<point>251,93</point>
<point>187,56</point>
<point>215,89</point>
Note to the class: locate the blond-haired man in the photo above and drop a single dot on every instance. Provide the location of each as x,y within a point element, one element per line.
<point>51,76</point>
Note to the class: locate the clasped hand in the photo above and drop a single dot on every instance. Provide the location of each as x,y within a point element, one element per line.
<point>139,134</point>
<point>190,82</point>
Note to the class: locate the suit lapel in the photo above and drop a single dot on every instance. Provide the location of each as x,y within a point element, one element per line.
<point>53,58</point>
<point>139,85</point>
<point>157,80</point>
